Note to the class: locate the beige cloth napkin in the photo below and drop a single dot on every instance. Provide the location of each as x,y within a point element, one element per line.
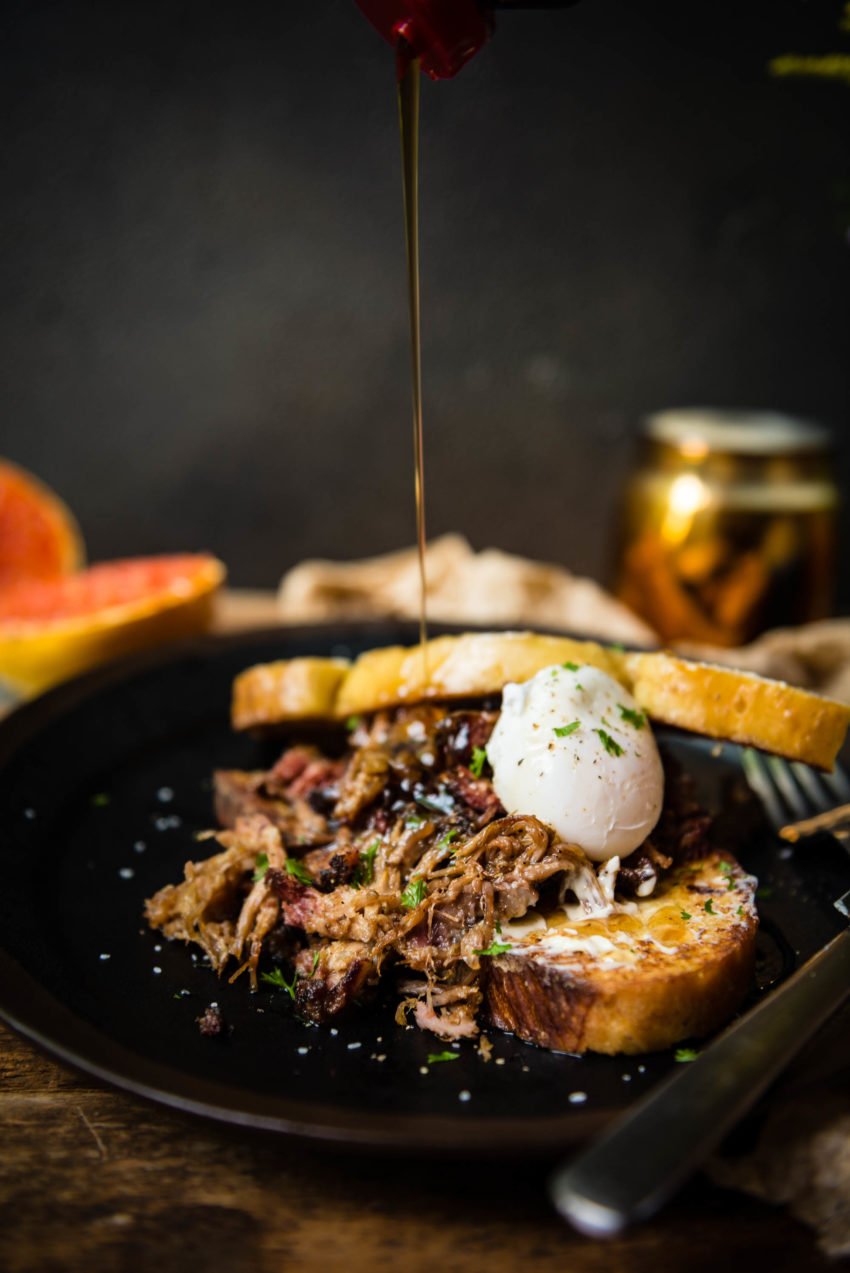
<point>801,1158</point>
<point>489,587</point>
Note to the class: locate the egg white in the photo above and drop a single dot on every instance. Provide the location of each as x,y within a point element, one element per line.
<point>572,748</point>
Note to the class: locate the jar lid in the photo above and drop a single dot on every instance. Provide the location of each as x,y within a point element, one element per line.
<point>705,429</point>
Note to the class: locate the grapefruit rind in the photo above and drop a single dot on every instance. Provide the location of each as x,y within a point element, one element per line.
<point>37,654</point>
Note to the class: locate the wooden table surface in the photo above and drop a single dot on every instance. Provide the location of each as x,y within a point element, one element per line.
<point>94,1179</point>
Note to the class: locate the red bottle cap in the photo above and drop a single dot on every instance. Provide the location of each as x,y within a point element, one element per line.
<point>443,34</point>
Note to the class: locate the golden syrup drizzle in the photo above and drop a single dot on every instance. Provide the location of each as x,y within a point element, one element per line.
<point>408,109</point>
<point>664,924</point>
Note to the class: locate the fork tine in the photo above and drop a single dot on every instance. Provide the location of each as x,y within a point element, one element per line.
<point>756,774</point>
<point>839,784</point>
<point>814,786</point>
<point>793,795</point>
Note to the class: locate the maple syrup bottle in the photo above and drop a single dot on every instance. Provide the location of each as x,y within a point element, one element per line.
<point>441,34</point>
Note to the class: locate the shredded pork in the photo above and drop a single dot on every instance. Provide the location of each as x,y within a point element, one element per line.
<point>397,855</point>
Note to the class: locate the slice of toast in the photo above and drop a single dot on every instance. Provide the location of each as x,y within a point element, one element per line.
<point>719,702</point>
<point>676,967</point>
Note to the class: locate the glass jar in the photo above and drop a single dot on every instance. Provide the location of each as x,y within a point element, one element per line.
<point>729,525</point>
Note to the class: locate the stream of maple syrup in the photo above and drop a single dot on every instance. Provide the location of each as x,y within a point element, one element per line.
<point>408,109</point>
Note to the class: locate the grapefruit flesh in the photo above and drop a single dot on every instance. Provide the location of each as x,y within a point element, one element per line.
<point>53,629</point>
<point>39,538</point>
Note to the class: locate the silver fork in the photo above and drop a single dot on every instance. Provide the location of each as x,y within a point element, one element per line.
<point>797,799</point>
<point>640,1162</point>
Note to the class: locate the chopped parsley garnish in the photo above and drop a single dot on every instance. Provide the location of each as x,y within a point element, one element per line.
<point>479,760</point>
<point>495,948</point>
<point>638,719</point>
<point>277,979</point>
<point>685,1054</point>
<point>435,1057</point>
<point>352,723</point>
<point>299,870</point>
<point>610,744</point>
<point>260,867</point>
<point>100,800</point>
<point>740,910</point>
<point>685,915</point>
<point>562,731</point>
<point>709,907</point>
<point>570,666</point>
<point>618,647</point>
<point>364,872</point>
<point>413,893</point>
<point>446,840</point>
<point>413,822</point>
<point>727,870</point>
<point>317,954</point>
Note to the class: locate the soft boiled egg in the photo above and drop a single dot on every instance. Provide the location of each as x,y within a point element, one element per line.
<point>572,748</point>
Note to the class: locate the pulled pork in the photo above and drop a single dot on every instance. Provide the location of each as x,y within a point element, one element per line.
<point>398,854</point>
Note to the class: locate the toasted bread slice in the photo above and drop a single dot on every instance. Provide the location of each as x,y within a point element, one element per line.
<point>676,967</point>
<point>740,706</point>
<point>471,665</point>
<point>717,701</point>
<point>271,694</point>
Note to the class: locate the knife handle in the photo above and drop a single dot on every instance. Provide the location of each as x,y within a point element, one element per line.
<point>634,1168</point>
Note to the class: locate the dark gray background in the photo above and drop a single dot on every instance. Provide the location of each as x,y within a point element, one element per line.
<point>202,310</point>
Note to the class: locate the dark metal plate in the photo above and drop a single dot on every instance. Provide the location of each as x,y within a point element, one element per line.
<point>104,782</point>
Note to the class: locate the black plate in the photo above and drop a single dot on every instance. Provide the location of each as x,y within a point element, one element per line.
<point>105,781</point>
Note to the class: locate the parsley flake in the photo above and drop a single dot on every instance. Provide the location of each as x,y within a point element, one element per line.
<point>739,911</point>
<point>685,915</point>
<point>352,723</point>
<point>562,731</point>
<point>317,954</point>
<point>277,979</point>
<point>260,867</point>
<point>726,869</point>
<point>364,872</point>
<point>709,907</point>
<point>447,839</point>
<point>570,666</point>
<point>299,870</point>
<point>610,744</point>
<point>685,1054</point>
<point>479,760</point>
<point>413,822</point>
<point>435,1057</point>
<point>618,647</point>
<point>638,719</point>
<point>414,893</point>
<point>495,948</point>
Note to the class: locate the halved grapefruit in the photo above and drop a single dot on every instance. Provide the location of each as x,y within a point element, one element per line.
<point>39,538</point>
<point>52,629</point>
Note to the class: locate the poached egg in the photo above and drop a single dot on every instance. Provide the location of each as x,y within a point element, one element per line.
<point>572,748</point>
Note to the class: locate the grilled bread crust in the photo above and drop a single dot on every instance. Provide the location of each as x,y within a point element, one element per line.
<point>633,984</point>
<point>717,701</point>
